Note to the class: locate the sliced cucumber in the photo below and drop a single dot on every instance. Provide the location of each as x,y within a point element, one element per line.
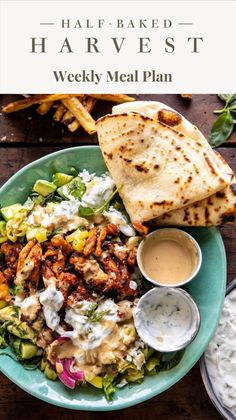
<point>50,373</point>
<point>10,211</point>
<point>60,179</point>
<point>28,350</point>
<point>44,187</point>
<point>74,188</point>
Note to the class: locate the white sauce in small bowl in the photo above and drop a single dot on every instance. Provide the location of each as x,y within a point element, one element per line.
<point>167,319</point>
<point>220,356</point>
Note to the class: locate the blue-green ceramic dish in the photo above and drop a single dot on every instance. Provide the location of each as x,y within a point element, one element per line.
<point>208,290</point>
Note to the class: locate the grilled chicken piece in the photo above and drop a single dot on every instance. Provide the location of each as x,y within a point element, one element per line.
<point>90,242</point>
<point>132,256</point>
<point>11,253</point>
<point>81,293</point>
<point>141,228</point>
<point>4,288</point>
<point>45,338</point>
<point>65,281</point>
<point>28,267</point>
<point>54,266</point>
<point>58,241</point>
<point>92,273</point>
<point>109,229</point>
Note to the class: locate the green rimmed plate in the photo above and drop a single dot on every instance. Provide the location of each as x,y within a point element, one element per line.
<point>208,290</point>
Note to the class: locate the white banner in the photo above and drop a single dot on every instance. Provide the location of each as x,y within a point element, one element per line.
<point>116,46</point>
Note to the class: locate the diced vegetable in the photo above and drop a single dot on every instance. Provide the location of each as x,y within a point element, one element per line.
<point>50,373</point>
<point>60,179</point>
<point>97,382</point>
<point>21,329</point>
<point>74,188</point>
<point>3,233</point>
<point>28,350</point>
<point>152,363</point>
<point>8,313</point>
<point>109,386</point>
<point>10,211</point>
<point>44,187</point>
<point>40,234</point>
<point>2,304</point>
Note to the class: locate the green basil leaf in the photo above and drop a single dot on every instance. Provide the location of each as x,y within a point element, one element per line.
<point>85,211</point>
<point>227,98</point>
<point>232,106</point>
<point>221,130</point>
<point>233,115</point>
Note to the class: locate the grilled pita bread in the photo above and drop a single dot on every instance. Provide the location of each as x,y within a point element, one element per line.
<point>212,211</point>
<point>157,168</point>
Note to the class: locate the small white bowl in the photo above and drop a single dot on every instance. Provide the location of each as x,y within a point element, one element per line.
<point>179,236</point>
<point>167,319</point>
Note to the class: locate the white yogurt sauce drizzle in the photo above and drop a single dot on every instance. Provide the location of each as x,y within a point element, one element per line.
<point>220,356</point>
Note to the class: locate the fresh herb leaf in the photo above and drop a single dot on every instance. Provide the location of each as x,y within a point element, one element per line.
<point>227,98</point>
<point>94,315</point>
<point>109,386</point>
<point>222,129</point>
<point>88,211</point>
<point>97,316</point>
<point>92,308</point>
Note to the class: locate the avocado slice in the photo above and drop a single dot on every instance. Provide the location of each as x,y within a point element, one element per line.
<point>8,313</point>
<point>10,211</point>
<point>28,350</point>
<point>44,187</point>
<point>75,188</point>
<point>60,179</point>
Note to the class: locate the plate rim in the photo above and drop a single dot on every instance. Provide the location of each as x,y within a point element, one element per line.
<point>118,405</point>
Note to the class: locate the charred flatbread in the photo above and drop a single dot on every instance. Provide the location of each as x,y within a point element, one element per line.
<point>157,168</point>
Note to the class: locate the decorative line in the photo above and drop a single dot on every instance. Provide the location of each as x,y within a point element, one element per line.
<point>185,23</point>
<point>47,23</point>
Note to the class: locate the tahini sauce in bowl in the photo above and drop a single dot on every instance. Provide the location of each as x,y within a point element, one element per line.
<point>169,257</point>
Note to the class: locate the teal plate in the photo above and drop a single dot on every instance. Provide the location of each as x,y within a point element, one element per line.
<point>208,290</point>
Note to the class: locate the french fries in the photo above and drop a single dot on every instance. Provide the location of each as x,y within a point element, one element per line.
<point>45,107</point>
<point>80,113</point>
<point>73,110</point>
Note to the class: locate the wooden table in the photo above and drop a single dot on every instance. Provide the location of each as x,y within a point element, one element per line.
<point>24,137</point>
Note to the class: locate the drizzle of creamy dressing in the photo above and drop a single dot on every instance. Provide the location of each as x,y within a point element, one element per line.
<point>110,340</point>
<point>52,301</point>
<point>164,320</point>
<point>89,335</point>
<point>220,356</point>
<point>116,217</point>
<point>62,215</point>
<point>98,191</point>
<point>27,302</point>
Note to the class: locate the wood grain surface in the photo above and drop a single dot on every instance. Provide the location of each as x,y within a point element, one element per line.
<point>185,400</point>
<point>27,126</point>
